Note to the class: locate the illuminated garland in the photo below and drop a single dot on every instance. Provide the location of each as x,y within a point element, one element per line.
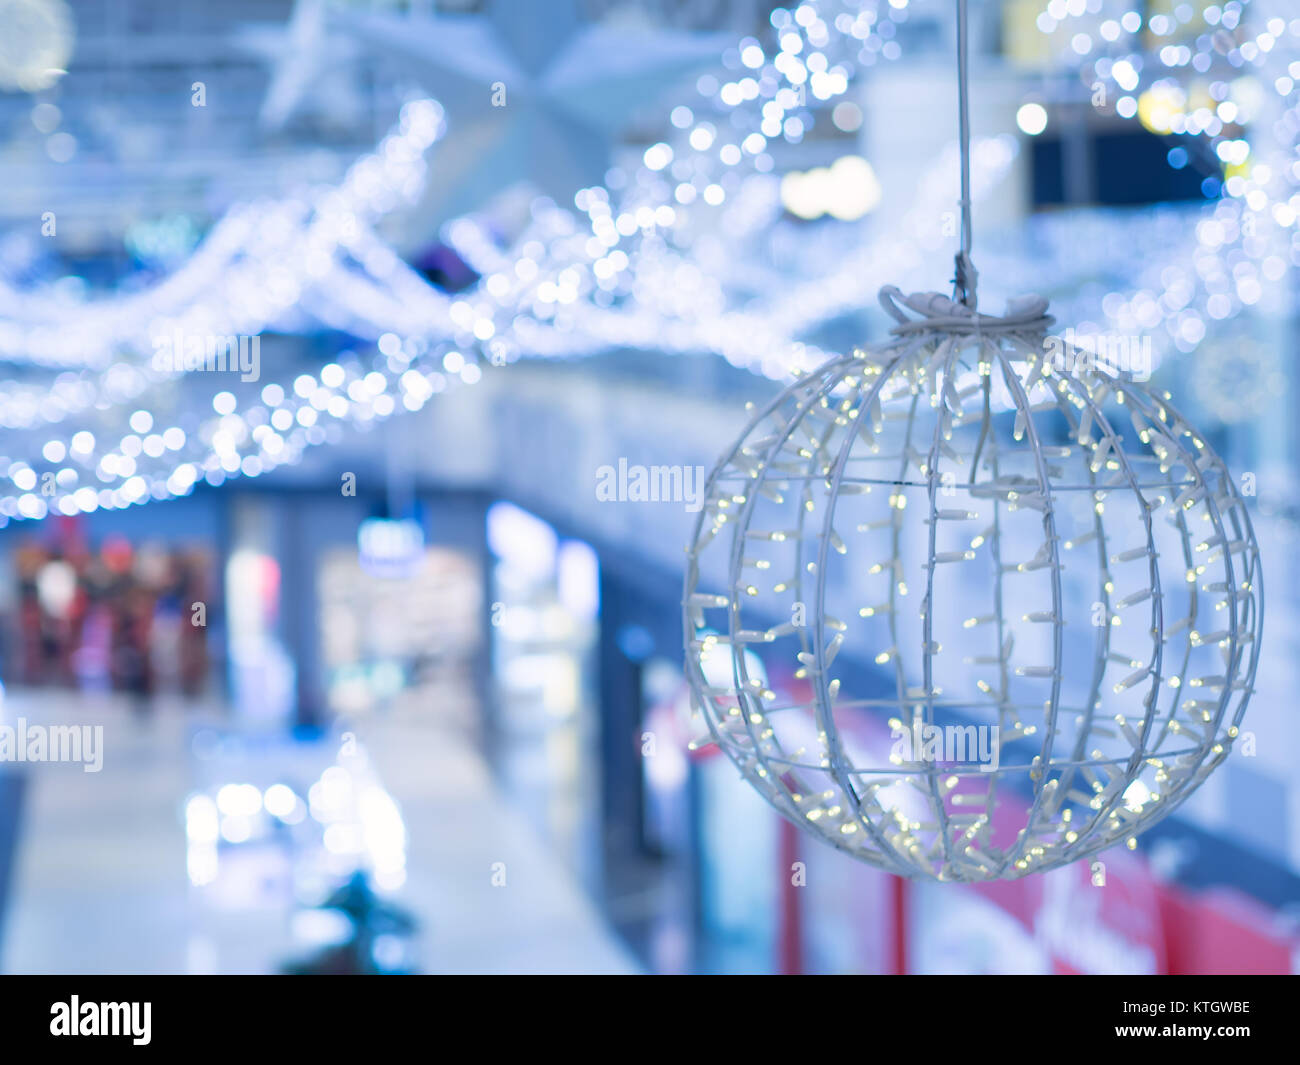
<point>656,263</point>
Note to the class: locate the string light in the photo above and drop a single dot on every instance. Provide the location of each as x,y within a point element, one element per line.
<point>653,261</point>
<point>321,255</point>
<point>1203,73</point>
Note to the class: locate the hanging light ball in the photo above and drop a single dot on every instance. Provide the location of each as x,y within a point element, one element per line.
<point>1023,560</point>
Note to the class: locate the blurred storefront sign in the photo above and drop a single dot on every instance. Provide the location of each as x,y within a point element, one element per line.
<point>1088,918</point>
<point>392,548</point>
<point>1223,931</point>
<point>1109,916</point>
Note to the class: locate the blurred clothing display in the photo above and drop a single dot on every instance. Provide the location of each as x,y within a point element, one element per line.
<point>116,617</point>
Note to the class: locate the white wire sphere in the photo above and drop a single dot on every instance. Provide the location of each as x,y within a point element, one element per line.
<point>1019,542</point>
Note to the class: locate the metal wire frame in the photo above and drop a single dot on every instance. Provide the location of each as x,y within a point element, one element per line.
<point>924,828</point>
<point>915,818</point>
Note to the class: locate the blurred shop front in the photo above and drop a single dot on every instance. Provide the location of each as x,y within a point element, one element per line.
<point>698,874</point>
<point>267,637</point>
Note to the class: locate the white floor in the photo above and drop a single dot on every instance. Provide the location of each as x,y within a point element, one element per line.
<point>101,886</point>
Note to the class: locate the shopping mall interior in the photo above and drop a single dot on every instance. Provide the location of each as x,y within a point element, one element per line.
<point>363,363</point>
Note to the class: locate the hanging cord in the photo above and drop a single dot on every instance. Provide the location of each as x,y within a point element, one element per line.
<point>931,312</point>
<point>965,277</point>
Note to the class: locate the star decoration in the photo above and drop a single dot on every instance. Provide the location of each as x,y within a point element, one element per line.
<point>532,92</point>
<point>312,68</point>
